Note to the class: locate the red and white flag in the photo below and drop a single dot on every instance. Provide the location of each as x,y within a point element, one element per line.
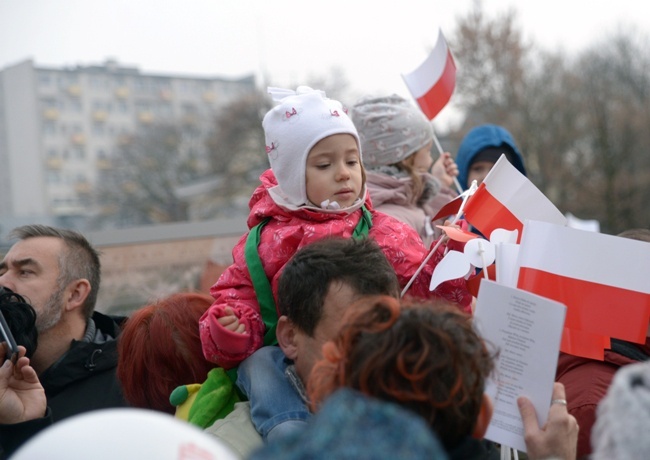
<point>602,279</point>
<point>433,82</point>
<point>506,199</point>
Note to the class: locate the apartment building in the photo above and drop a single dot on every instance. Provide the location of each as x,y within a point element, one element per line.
<point>60,126</point>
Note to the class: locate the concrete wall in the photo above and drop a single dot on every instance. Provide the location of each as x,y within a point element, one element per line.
<point>139,265</point>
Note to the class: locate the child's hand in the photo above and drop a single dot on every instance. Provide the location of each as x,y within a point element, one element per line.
<point>231,322</point>
<point>445,169</point>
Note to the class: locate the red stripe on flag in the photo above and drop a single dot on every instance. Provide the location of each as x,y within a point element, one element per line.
<point>584,344</point>
<point>486,213</point>
<point>592,307</point>
<point>474,283</point>
<point>434,100</point>
<point>450,208</point>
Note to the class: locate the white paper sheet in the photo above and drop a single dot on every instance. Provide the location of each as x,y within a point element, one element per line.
<point>527,330</point>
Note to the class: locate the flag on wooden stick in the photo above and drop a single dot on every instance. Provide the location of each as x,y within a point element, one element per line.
<point>433,82</point>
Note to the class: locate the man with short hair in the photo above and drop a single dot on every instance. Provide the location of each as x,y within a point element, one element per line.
<point>58,272</point>
<point>316,286</point>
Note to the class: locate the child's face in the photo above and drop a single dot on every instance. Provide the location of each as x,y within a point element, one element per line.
<point>477,171</point>
<point>422,160</point>
<point>333,171</point>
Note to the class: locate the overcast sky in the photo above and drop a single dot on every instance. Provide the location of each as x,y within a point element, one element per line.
<point>372,42</point>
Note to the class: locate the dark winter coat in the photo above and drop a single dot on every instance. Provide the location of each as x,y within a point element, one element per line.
<point>82,380</point>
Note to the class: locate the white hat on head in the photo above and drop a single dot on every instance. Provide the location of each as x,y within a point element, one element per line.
<point>301,119</point>
<point>130,434</point>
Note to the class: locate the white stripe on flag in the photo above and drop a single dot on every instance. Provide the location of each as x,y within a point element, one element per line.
<point>429,72</point>
<point>584,255</point>
<point>519,194</point>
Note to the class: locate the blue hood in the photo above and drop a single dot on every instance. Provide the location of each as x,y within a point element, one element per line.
<point>482,137</point>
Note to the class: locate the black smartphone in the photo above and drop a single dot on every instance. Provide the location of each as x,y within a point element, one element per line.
<point>7,337</point>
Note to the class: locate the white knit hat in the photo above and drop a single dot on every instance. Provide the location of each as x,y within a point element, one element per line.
<point>291,129</point>
<point>390,128</point>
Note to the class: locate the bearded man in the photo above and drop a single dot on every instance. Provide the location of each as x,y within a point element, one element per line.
<point>58,272</point>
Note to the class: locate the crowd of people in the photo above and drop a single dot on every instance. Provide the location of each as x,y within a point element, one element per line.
<point>305,347</point>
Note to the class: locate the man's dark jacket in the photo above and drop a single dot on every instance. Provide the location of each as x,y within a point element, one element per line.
<point>82,380</point>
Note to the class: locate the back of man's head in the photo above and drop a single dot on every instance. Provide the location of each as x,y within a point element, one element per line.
<point>639,234</point>
<point>305,280</point>
<point>78,261</point>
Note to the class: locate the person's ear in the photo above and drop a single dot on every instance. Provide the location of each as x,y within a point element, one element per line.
<point>76,294</point>
<point>286,334</point>
<point>484,417</point>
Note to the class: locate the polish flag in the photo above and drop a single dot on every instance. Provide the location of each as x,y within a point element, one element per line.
<point>450,208</point>
<point>602,279</point>
<point>433,82</point>
<point>505,199</point>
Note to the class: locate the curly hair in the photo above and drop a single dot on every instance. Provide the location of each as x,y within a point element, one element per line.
<point>425,356</point>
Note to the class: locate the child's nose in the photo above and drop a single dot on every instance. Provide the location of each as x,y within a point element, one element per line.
<point>343,172</point>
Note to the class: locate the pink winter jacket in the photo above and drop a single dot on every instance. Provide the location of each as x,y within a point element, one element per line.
<point>281,238</point>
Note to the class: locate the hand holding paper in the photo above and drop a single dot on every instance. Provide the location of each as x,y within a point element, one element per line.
<point>526,328</point>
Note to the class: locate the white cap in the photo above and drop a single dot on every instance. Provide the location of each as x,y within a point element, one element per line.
<point>291,129</point>
<point>128,434</point>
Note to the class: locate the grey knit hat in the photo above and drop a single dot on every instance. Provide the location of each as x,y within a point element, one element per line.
<point>623,416</point>
<point>390,129</point>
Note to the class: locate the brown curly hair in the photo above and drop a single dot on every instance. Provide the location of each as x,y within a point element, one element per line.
<point>425,356</point>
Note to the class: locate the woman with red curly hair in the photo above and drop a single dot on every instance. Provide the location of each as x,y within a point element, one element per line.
<point>160,349</point>
<point>425,357</point>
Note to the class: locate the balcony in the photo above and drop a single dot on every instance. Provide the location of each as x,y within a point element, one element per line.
<point>74,90</point>
<point>50,114</point>
<point>145,117</point>
<point>104,164</point>
<point>209,96</point>
<point>100,116</point>
<point>54,163</point>
<point>78,139</point>
<point>82,187</point>
<point>190,119</point>
<point>122,92</point>
<point>166,95</point>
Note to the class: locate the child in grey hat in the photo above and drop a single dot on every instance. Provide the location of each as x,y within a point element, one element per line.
<point>396,140</point>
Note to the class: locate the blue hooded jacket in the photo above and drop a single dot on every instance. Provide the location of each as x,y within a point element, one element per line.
<point>480,138</point>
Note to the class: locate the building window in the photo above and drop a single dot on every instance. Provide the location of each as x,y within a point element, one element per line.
<point>49,128</point>
<point>53,177</point>
<point>78,153</point>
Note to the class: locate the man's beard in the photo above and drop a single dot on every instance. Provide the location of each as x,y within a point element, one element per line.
<point>51,313</point>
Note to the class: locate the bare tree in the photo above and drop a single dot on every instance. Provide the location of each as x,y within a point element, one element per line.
<point>138,185</point>
<point>615,93</point>
<point>581,124</point>
<point>492,59</point>
<point>237,149</point>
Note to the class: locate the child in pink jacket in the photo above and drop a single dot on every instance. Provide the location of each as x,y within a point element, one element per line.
<point>315,188</point>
